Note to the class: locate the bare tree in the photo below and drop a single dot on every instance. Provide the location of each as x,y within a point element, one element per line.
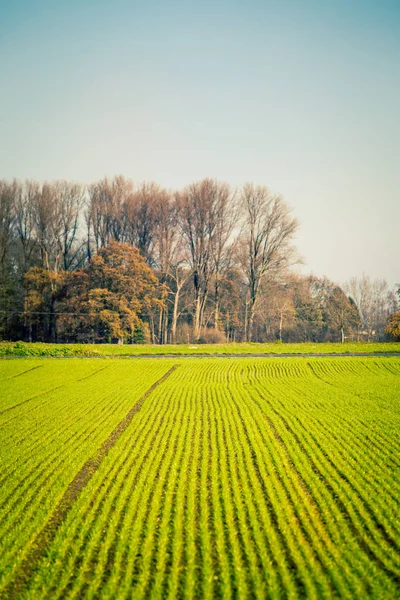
<point>141,217</point>
<point>170,259</point>
<point>166,232</point>
<point>70,200</point>
<point>226,218</point>
<point>47,225</point>
<point>278,305</point>
<point>198,207</point>
<point>178,276</point>
<point>375,302</point>
<point>267,234</point>
<point>165,239</point>
<point>106,208</point>
<point>8,195</point>
<point>26,201</point>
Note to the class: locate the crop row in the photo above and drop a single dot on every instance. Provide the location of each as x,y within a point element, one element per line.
<point>264,478</point>
<point>349,469</point>
<point>44,442</point>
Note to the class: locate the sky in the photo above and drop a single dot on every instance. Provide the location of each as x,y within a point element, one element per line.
<point>300,95</point>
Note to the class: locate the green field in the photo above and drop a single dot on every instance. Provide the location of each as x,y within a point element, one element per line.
<point>200,478</point>
<point>115,350</point>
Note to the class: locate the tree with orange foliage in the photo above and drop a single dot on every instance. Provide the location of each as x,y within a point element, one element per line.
<point>109,299</point>
<point>104,302</point>
<point>393,326</point>
<point>44,289</point>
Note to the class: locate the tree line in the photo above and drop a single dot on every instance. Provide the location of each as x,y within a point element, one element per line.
<point>115,261</point>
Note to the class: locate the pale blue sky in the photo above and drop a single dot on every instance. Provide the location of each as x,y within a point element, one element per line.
<point>300,95</point>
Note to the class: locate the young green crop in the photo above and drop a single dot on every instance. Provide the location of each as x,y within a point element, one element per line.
<point>245,478</point>
<point>46,437</point>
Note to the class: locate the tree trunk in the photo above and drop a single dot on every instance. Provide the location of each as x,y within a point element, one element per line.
<point>52,332</point>
<point>197,317</point>
<point>160,326</point>
<point>175,315</point>
<point>245,321</point>
<point>152,332</point>
<point>251,319</point>
<point>216,316</point>
<point>165,328</point>
<point>202,308</point>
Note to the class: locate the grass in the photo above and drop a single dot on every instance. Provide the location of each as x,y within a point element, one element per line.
<point>246,478</point>
<point>115,350</point>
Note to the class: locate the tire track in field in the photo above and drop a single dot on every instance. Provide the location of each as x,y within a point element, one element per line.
<point>81,479</point>
<point>28,400</point>
<point>103,415</point>
<point>148,575</point>
<point>148,460</point>
<point>43,393</point>
<point>299,478</point>
<point>139,538</point>
<point>342,476</point>
<point>198,551</point>
<point>87,433</point>
<point>317,472</point>
<point>111,486</point>
<point>94,373</point>
<point>24,372</point>
<point>44,440</point>
<point>44,474</point>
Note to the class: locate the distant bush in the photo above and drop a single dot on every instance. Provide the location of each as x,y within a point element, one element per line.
<point>212,336</point>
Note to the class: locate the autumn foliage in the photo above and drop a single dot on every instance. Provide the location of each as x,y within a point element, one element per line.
<point>393,326</point>
<point>102,303</point>
<point>131,262</point>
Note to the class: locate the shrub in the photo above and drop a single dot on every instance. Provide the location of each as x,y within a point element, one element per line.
<point>212,336</point>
